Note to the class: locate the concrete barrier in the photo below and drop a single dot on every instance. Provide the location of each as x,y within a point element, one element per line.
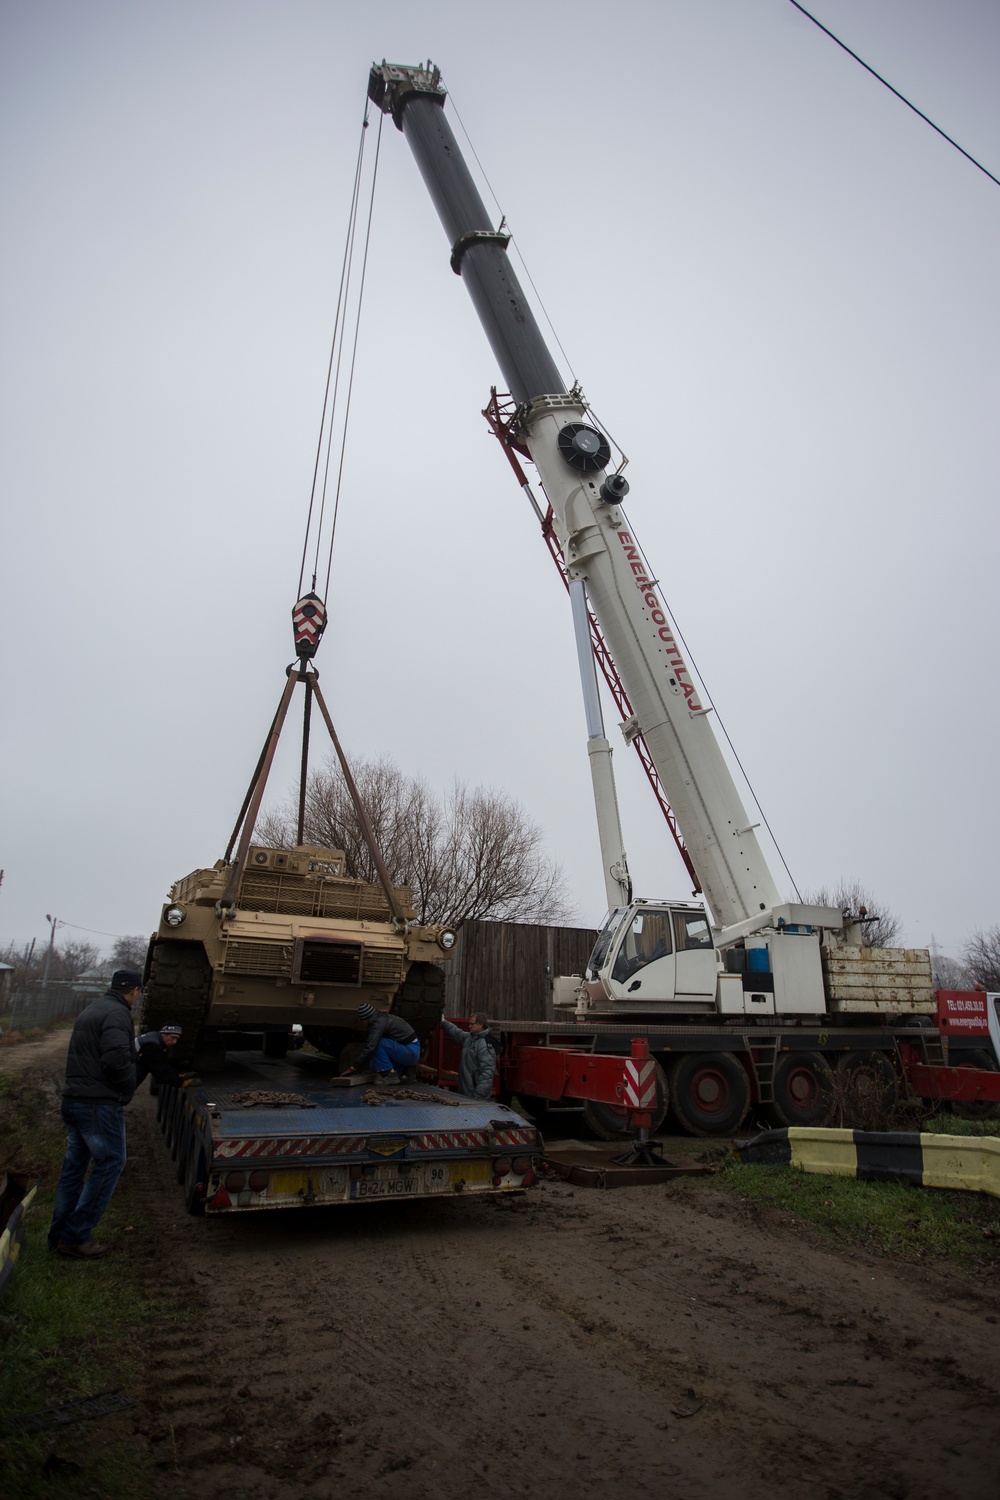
<point>968,1163</point>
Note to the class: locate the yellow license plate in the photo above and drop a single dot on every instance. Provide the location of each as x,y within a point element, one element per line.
<point>469,1171</point>
<point>283,1183</point>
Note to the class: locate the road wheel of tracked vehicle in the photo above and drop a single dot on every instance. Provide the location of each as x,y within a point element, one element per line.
<point>420,999</point>
<point>709,1093</point>
<point>276,1044</point>
<point>871,1083</point>
<point>803,1090</point>
<point>973,1109</point>
<point>332,1040</point>
<point>612,1122</point>
<point>177,991</point>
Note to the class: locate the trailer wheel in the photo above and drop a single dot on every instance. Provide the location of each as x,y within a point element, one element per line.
<point>710,1093</point>
<point>803,1090</point>
<point>195,1173</point>
<point>612,1122</point>
<point>974,1109</point>
<point>875,1074</point>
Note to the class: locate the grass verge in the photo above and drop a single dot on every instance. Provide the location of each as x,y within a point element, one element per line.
<point>922,1225</point>
<point>68,1329</point>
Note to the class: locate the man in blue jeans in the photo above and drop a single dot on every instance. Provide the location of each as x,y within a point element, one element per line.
<point>391,1044</point>
<point>100,1081</point>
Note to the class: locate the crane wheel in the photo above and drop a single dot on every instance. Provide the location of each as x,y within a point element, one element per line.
<point>803,1090</point>
<point>610,1122</point>
<point>872,1075</point>
<point>974,1109</point>
<point>709,1093</point>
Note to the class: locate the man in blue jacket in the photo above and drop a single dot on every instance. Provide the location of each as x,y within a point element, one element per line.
<point>100,1081</point>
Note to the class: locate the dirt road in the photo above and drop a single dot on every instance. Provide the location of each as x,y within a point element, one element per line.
<point>539,1346</point>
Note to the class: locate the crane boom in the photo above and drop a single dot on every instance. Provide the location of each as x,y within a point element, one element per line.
<point>573,460</point>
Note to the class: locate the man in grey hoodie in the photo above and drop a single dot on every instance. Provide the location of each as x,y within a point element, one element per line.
<point>479,1059</point>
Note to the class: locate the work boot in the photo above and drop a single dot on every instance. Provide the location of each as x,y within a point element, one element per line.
<point>389,1077</point>
<point>89,1250</point>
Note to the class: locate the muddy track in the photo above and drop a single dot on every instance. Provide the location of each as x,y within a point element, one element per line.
<point>537,1346</point>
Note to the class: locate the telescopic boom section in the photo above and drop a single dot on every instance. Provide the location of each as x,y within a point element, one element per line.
<point>573,459</point>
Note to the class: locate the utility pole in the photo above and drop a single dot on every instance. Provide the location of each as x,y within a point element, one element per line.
<point>54,921</point>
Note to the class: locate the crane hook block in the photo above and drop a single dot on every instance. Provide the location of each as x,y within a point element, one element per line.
<point>308,625</point>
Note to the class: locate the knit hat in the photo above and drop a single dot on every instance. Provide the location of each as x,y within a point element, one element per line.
<point>171,1029</point>
<point>366,1011</point>
<point>126,979</point>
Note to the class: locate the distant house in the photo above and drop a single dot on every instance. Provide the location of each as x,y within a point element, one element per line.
<point>6,981</point>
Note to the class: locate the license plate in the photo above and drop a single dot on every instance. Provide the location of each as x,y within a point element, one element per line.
<point>326,1181</point>
<point>434,1177</point>
<point>386,1182</point>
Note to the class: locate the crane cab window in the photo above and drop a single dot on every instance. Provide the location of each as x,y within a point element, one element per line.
<point>692,930</point>
<point>647,939</point>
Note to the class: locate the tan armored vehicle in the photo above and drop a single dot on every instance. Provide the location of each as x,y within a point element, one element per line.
<point>302,943</point>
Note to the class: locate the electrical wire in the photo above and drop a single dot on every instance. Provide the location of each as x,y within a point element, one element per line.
<point>869,69</point>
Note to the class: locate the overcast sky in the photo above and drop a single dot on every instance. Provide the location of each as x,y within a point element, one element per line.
<point>776,284</point>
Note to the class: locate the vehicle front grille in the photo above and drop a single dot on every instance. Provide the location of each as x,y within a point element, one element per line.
<point>269,960</point>
<point>279,892</point>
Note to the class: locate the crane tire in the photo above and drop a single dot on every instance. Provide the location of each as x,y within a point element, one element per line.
<point>882,1074</point>
<point>612,1122</point>
<point>974,1109</point>
<point>803,1090</point>
<point>709,1093</point>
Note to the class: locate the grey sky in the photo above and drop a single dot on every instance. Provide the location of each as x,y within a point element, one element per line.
<point>777,286</point>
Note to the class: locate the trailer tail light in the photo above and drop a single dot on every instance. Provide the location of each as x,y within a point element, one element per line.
<point>354,1171</point>
<point>258,1181</point>
<point>221,1200</point>
<point>527,1179</point>
<point>235,1181</point>
<point>522,1164</point>
<point>502,1166</point>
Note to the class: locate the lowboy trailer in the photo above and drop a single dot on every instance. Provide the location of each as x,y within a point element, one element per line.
<point>266,1133</point>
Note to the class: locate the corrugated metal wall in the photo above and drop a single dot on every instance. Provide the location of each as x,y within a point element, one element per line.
<point>504,968</point>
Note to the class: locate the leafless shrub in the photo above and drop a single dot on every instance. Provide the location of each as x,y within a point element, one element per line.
<point>861,1098</point>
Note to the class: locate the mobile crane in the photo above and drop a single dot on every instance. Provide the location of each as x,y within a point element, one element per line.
<point>746,996</point>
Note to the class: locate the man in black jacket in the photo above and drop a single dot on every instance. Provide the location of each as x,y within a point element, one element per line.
<point>391,1043</point>
<point>100,1081</point>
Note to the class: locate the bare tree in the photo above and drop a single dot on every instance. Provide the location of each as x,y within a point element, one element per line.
<point>880,926</point>
<point>949,974</point>
<point>72,959</point>
<point>69,961</point>
<point>981,957</point>
<point>129,952</point>
<point>465,855</point>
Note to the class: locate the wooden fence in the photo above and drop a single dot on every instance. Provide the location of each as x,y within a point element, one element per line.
<point>505,968</point>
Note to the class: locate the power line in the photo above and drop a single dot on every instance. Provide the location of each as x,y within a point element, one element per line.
<point>892,90</point>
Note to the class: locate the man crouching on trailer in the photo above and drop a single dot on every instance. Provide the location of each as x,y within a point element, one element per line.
<point>391,1050</point>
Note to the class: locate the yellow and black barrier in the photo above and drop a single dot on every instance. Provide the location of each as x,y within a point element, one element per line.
<point>13,1190</point>
<point>971,1163</point>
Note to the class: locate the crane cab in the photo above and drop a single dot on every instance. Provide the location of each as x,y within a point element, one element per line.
<point>651,954</point>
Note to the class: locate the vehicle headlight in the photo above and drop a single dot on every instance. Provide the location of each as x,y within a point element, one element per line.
<point>174,916</point>
<point>447,939</point>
